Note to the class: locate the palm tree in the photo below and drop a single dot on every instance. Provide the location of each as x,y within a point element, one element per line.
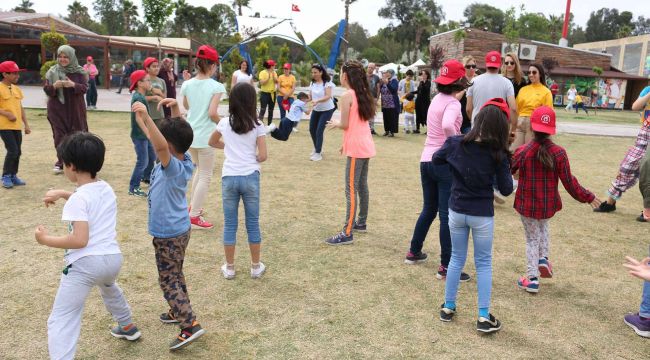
<point>129,15</point>
<point>347,28</point>
<point>555,22</point>
<point>183,16</point>
<point>25,6</point>
<point>77,14</point>
<point>422,23</point>
<point>238,4</point>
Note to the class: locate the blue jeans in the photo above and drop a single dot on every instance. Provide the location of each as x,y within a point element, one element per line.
<point>144,153</point>
<point>482,228</point>
<point>284,130</point>
<point>436,189</point>
<point>248,189</point>
<point>644,310</point>
<point>283,112</point>
<point>317,124</point>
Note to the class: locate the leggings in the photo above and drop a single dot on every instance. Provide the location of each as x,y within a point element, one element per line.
<point>204,160</point>
<point>317,124</point>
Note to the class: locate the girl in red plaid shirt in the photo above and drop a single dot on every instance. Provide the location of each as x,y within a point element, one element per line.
<point>541,163</point>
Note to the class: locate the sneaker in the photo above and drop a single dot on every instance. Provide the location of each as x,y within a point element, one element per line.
<point>312,152</point>
<point>295,129</point>
<point>442,274</point>
<point>168,318</point>
<point>316,157</point>
<point>186,336</point>
<point>340,239</point>
<point>605,207</point>
<point>229,274</point>
<point>488,325</point>
<point>391,135</point>
<point>413,259</point>
<point>270,128</point>
<point>408,131</point>
<point>498,197</point>
<point>6,182</point>
<point>359,228</point>
<point>641,218</point>
<point>17,181</point>
<point>373,132</point>
<point>199,223</point>
<point>57,170</point>
<point>416,131</point>
<point>640,325</point>
<point>545,268</point>
<point>446,314</point>
<point>138,192</point>
<point>257,273</point>
<point>129,332</point>
<point>385,134</point>
<point>146,181</point>
<point>530,284</point>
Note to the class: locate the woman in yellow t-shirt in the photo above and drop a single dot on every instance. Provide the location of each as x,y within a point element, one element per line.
<point>268,82</point>
<point>530,97</point>
<point>286,87</point>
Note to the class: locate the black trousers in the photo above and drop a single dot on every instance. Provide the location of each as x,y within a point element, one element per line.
<point>91,94</point>
<point>13,140</point>
<point>267,100</point>
<point>284,130</point>
<point>391,120</point>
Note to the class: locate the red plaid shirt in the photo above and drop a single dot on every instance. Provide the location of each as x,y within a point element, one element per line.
<point>537,196</point>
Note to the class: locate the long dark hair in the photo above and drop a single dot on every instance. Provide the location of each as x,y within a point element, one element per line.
<point>492,129</point>
<point>426,72</point>
<point>242,106</point>
<point>543,155</point>
<point>248,67</point>
<point>542,72</point>
<point>358,81</point>
<point>458,85</point>
<point>323,73</point>
<point>204,66</point>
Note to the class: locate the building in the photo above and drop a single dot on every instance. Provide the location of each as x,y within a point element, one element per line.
<point>564,65</point>
<point>20,41</point>
<point>630,54</point>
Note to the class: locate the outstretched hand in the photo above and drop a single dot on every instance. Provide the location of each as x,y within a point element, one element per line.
<point>640,269</point>
<point>167,102</point>
<point>332,124</point>
<point>186,75</point>
<point>596,203</point>
<point>139,108</point>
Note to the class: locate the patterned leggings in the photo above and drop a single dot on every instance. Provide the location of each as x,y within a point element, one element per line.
<point>629,169</point>
<point>537,243</point>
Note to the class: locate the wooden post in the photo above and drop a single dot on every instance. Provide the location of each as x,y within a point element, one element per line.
<point>107,67</point>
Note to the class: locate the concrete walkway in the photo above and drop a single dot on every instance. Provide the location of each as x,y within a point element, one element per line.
<point>109,100</point>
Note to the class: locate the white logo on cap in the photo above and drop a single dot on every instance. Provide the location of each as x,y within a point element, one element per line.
<point>546,119</point>
<point>493,58</point>
<point>444,71</point>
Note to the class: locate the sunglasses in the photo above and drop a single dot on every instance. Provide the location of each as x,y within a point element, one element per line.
<point>532,72</point>
<point>509,62</point>
<point>470,66</point>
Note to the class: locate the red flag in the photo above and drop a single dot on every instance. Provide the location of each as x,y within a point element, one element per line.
<point>294,7</point>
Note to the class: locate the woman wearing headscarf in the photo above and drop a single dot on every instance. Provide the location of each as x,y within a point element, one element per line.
<point>389,102</point>
<point>66,82</point>
<point>170,78</point>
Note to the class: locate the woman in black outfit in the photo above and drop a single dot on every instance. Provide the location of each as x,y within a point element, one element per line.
<point>470,73</point>
<point>422,100</point>
<point>512,71</point>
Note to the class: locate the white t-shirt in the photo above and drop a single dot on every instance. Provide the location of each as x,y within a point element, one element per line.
<point>240,150</point>
<point>318,92</point>
<point>614,93</point>
<point>94,203</point>
<point>242,77</point>
<point>487,86</point>
<point>571,95</point>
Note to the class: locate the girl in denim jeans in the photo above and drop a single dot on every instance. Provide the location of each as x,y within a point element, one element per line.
<point>242,138</point>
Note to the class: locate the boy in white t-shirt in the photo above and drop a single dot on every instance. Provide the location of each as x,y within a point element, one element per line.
<point>292,118</point>
<point>92,255</point>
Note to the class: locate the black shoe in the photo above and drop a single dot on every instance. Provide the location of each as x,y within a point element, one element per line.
<point>385,134</point>
<point>168,318</point>
<point>373,132</point>
<point>488,325</point>
<point>391,135</point>
<point>442,274</point>
<point>641,218</point>
<point>186,336</point>
<point>605,207</point>
<point>359,227</point>
<point>446,314</point>
<point>340,239</point>
<point>416,131</point>
<point>413,259</point>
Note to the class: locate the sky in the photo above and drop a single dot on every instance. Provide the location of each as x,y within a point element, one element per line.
<point>365,11</point>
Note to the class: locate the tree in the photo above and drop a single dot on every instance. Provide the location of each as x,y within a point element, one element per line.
<point>156,13</point>
<point>641,26</point>
<point>577,36</point>
<point>534,26</point>
<point>238,4</point>
<point>25,7</point>
<point>606,24</point>
<point>422,25</point>
<point>283,57</point>
<point>78,14</point>
<point>555,25</point>
<point>486,17</point>
<point>109,14</point>
<point>129,16</point>
<point>374,54</point>
<point>346,35</point>
<point>262,54</point>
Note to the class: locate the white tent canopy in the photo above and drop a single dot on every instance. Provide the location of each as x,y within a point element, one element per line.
<point>388,66</point>
<point>413,67</point>
<point>282,28</point>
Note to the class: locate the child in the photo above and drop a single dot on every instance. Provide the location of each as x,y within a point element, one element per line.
<point>644,186</point>
<point>154,95</point>
<point>12,118</point>
<point>169,219</point>
<point>474,159</point>
<point>357,107</point>
<point>92,253</point>
<point>540,164</point>
<point>144,152</point>
<point>408,104</point>
<point>242,138</point>
<point>640,321</point>
<point>580,104</point>
<point>288,123</point>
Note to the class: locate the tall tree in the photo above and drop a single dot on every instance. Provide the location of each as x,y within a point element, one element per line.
<point>485,17</point>
<point>606,24</point>
<point>641,26</point>
<point>422,25</point>
<point>156,13</point>
<point>109,14</point>
<point>129,16</point>
<point>25,6</point>
<point>238,4</point>
<point>78,14</point>
<point>347,28</point>
<point>555,25</point>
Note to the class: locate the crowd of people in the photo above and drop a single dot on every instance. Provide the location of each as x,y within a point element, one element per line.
<point>487,136</point>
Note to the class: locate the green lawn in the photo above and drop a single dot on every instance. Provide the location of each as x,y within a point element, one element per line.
<point>626,117</point>
<point>319,302</point>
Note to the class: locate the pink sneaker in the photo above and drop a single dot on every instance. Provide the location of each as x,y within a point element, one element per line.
<point>199,223</point>
<point>545,268</point>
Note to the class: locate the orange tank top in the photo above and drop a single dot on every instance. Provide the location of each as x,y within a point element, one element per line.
<point>357,139</point>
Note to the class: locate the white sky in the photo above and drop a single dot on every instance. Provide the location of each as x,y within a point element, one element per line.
<point>365,11</point>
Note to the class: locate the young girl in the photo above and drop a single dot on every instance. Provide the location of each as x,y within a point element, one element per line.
<point>409,112</point>
<point>242,138</point>
<point>357,107</point>
<point>474,159</point>
<point>540,164</point>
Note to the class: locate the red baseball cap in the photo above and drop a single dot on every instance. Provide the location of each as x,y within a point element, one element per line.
<point>287,66</point>
<point>89,58</point>
<point>500,103</point>
<point>135,77</point>
<point>148,61</point>
<point>208,53</point>
<point>450,72</point>
<point>543,120</point>
<point>271,62</point>
<point>493,59</point>
<point>9,67</point>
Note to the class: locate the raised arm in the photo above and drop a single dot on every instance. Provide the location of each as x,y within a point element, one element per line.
<point>157,139</point>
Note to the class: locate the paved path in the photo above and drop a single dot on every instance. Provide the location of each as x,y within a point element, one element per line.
<point>108,100</point>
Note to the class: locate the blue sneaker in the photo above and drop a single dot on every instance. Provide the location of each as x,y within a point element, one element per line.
<point>530,284</point>
<point>17,181</point>
<point>6,182</point>
<point>129,332</point>
<point>340,239</point>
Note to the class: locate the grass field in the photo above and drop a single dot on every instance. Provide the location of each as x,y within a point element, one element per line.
<point>615,117</point>
<point>320,302</point>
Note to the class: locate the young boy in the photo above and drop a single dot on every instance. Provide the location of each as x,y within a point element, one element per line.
<point>92,254</point>
<point>154,95</point>
<point>169,219</point>
<point>292,118</point>
<point>144,152</point>
<point>409,112</point>
<point>12,118</point>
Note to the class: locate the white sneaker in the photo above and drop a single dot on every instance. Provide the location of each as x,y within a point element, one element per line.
<point>270,128</point>
<point>312,152</point>
<point>257,273</point>
<point>227,273</point>
<point>57,170</point>
<point>515,184</point>
<point>294,129</point>
<point>498,198</point>
<point>316,157</point>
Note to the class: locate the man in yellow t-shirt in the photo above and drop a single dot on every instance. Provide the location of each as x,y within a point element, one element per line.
<point>12,118</point>
<point>268,82</point>
<point>286,87</point>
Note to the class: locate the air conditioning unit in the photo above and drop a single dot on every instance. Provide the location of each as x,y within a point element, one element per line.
<point>509,48</point>
<point>527,51</point>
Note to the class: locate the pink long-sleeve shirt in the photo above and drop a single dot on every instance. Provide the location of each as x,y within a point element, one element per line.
<point>443,120</point>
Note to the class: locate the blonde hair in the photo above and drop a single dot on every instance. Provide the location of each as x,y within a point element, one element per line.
<point>466,60</point>
<point>519,76</point>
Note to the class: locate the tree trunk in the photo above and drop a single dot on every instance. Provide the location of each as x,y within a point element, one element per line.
<point>239,6</point>
<point>347,30</point>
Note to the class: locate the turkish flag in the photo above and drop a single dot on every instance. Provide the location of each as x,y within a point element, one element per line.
<point>294,7</point>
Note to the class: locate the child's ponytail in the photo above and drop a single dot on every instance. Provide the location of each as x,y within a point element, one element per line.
<point>543,155</point>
